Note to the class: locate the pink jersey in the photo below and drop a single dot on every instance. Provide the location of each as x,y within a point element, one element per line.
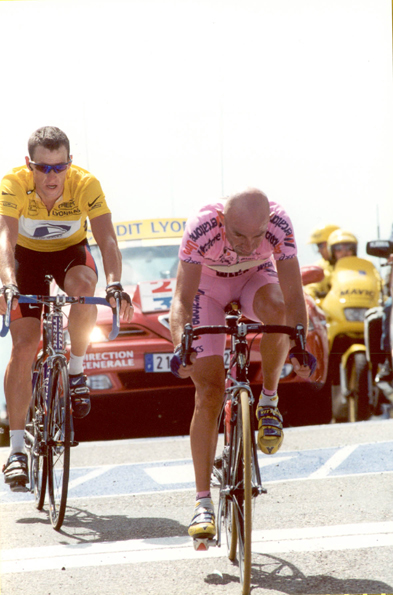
<point>204,241</point>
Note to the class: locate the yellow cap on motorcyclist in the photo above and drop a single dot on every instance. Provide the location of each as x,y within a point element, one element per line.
<point>321,234</point>
<point>341,236</point>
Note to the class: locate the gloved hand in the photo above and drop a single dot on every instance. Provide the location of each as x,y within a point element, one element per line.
<point>115,290</point>
<point>311,360</point>
<point>177,360</point>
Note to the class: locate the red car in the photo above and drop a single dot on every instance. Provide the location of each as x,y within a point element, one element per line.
<point>133,371</point>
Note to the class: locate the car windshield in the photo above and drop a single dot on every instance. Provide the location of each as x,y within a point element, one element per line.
<point>147,262</point>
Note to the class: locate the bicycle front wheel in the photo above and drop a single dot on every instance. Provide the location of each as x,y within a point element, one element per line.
<point>59,440</point>
<point>238,517</point>
<point>247,502</point>
<point>34,440</point>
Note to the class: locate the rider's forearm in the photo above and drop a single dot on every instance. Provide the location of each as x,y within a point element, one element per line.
<point>297,314</point>
<point>111,259</point>
<point>181,314</point>
<point>7,262</point>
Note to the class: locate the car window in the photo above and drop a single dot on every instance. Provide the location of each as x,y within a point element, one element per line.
<point>142,263</point>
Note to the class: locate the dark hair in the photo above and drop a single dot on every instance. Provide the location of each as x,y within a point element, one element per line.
<point>50,137</point>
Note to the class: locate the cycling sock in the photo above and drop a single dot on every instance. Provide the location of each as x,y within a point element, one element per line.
<point>17,441</point>
<point>268,398</point>
<point>201,495</point>
<point>75,365</point>
<point>206,503</point>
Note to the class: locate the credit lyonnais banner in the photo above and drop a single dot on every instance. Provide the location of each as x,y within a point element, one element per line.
<point>147,229</point>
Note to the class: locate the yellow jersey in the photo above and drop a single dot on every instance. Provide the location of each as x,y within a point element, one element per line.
<point>65,225</point>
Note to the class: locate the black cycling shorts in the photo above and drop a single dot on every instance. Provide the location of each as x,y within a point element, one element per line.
<point>32,266</point>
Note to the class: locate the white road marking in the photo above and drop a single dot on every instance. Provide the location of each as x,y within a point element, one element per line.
<point>173,474</point>
<point>133,551</point>
<point>334,461</point>
<point>88,476</point>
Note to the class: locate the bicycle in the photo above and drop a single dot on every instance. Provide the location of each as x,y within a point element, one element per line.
<point>237,469</point>
<point>49,431</point>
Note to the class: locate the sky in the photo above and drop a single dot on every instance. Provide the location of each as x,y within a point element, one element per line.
<point>173,104</point>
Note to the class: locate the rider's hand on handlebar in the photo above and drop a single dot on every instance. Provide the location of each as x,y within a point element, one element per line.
<point>297,357</point>
<point>115,290</point>
<point>9,292</point>
<point>176,363</point>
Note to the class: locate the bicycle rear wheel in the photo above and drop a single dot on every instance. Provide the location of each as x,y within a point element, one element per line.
<point>238,511</point>
<point>59,442</point>
<point>34,436</point>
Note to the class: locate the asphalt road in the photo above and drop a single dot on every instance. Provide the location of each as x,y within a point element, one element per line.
<point>324,527</point>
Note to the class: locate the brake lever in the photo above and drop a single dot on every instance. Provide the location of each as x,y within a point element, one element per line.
<point>301,342</point>
<point>186,343</point>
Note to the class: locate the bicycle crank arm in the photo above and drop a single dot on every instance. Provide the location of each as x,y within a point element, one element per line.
<point>202,544</point>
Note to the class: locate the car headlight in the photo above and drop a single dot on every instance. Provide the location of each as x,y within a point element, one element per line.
<point>355,314</point>
<point>97,335</point>
<point>99,382</point>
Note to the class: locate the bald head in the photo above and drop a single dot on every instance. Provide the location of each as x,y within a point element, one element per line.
<point>248,204</point>
<point>246,218</point>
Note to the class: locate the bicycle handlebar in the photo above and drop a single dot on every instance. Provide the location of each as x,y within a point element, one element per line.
<point>63,300</point>
<point>296,334</point>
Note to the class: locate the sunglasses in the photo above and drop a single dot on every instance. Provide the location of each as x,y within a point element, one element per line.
<point>46,169</point>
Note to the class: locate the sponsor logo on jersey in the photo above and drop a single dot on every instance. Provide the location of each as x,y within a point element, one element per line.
<point>206,247</point>
<point>290,241</point>
<point>196,308</point>
<point>66,208</point>
<point>190,247</point>
<point>51,230</point>
<point>93,203</point>
<point>33,207</point>
<point>272,239</point>
<point>204,228</point>
<point>281,223</point>
<point>8,204</point>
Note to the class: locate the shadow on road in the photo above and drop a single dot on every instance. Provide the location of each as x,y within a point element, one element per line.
<point>85,527</point>
<point>277,575</point>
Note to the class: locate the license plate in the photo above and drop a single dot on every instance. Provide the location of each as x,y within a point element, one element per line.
<point>160,362</point>
<point>157,362</point>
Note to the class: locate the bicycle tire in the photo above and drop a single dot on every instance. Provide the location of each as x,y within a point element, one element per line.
<point>237,515</point>
<point>59,442</point>
<point>358,402</point>
<point>247,503</point>
<point>38,468</point>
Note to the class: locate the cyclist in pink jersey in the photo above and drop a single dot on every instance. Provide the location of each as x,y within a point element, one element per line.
<point>240,249</point>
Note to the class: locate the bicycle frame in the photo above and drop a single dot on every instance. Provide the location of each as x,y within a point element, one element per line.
<point>240,478</point>
<point>50,414</point>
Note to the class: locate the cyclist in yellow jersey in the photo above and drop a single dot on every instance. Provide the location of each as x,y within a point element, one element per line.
<point>44,206</point>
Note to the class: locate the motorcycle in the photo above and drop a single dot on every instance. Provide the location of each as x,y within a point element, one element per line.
<point>380,386</point>
<point>354,289</point>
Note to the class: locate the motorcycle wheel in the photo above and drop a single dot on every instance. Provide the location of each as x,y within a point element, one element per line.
<point>358,403</point>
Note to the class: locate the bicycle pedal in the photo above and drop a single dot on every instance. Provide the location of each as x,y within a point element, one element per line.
<point>19,487</point>
<point>202,544</point>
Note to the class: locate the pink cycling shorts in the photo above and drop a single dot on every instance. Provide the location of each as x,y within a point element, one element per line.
<point>216,291</point>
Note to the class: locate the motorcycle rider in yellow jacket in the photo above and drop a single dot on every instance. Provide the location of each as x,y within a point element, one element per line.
<point>319,237</point>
